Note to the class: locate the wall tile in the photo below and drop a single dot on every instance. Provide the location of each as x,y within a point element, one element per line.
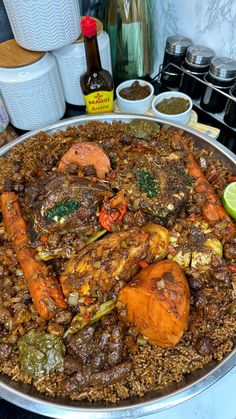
<point>210,23</point>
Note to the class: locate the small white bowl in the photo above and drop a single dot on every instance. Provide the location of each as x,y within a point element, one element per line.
<point>182,118</point>
<point>134,106</point>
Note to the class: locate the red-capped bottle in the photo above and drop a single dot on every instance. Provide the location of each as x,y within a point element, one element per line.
<point>96,83</point>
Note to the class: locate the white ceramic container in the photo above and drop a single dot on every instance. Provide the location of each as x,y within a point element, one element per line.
<point>181,118</point>
<point>4,118</point>
<point>71,61</point>
<point>43,25</point>
<point>33,93</point>
<point>134,106</point>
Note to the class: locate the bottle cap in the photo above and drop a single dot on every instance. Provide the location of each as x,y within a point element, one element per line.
<point>88,26</point>
<point>200,55</point>
<point>177,44</point>
<point>223,67</point>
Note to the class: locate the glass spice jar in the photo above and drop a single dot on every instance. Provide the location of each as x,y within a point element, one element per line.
<point>176,46</point>
<point>197,62</point>
<point>230,110</point>
<point>221,75</point>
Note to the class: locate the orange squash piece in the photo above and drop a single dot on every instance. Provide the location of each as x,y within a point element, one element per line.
<point>157,303</point>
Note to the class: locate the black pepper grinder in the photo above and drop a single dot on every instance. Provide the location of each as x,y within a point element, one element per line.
<point>176,46</point>
<point>222,73</point>
<point>197,62</point>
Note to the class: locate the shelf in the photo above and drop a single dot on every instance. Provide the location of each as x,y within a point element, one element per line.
<point>214,116</point>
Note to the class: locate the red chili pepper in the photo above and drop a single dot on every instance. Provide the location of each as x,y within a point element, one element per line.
<point>112,176</point>
<point>113,211</point>
<point>43,239</point>
<point>88,301</point>
<point>213,175</point>
<point>86,318</point>
<point>143,264</point>
<point>139,147</point>
<point>231,268</point>
<point>231,179</point>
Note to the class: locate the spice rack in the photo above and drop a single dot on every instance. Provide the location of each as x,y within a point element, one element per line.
<point>196,102</point>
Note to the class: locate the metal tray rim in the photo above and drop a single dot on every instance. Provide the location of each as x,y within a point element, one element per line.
<point>48,407</point>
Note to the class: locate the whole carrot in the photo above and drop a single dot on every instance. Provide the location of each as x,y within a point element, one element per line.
<point>45,291</point>
<point>212,210</point>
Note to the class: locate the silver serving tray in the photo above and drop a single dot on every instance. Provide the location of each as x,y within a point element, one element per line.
<point>26,396</point>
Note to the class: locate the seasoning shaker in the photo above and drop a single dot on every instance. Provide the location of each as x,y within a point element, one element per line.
<point>176,46</point>
<point>230,110</point>
<point>222,73</point>
<point>197,62</point>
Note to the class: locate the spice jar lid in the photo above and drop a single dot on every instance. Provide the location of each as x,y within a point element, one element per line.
<point>14,56</point>
<point>200,55</point>
<point>99,27</point>
<point>177,44</point>
<point>223,67</point>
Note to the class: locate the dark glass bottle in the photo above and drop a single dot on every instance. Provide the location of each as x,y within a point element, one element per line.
<point>96,83</point>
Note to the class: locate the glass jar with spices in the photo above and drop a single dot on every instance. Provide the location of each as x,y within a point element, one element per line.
<point>230,110</point>
<point>176,46</point>
<point>221,75</point>
<point>197,62</point>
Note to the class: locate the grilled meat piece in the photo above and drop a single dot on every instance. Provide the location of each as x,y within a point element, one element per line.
<point>64,202</point>
<point>158,185</point>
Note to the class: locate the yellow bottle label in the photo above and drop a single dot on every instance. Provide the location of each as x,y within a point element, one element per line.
<point>99,102</point>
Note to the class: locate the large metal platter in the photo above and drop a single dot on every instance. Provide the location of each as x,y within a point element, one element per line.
<point>25,396</point>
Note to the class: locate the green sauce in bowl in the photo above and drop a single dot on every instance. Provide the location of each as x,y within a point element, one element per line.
<point>173,105</point>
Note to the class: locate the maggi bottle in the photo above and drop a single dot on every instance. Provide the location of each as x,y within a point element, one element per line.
<point>96,83</point>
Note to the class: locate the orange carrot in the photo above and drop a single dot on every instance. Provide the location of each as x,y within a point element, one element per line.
<point>212,209</point>
<point>113,211</point>
<point>45,291</point>
<point>86,154</point>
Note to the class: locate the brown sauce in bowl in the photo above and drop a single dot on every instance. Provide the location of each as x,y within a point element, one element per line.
<point>173,105</point>
<point>135,92</point>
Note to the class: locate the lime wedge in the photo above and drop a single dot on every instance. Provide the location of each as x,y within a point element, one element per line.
<point>229,199</point>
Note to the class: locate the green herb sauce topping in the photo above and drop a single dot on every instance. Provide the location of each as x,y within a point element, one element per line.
<point>61,209</point>
<point>40,353</point>
<point>147,183</point>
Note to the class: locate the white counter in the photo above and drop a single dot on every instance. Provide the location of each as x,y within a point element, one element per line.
<point>217,402</point>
